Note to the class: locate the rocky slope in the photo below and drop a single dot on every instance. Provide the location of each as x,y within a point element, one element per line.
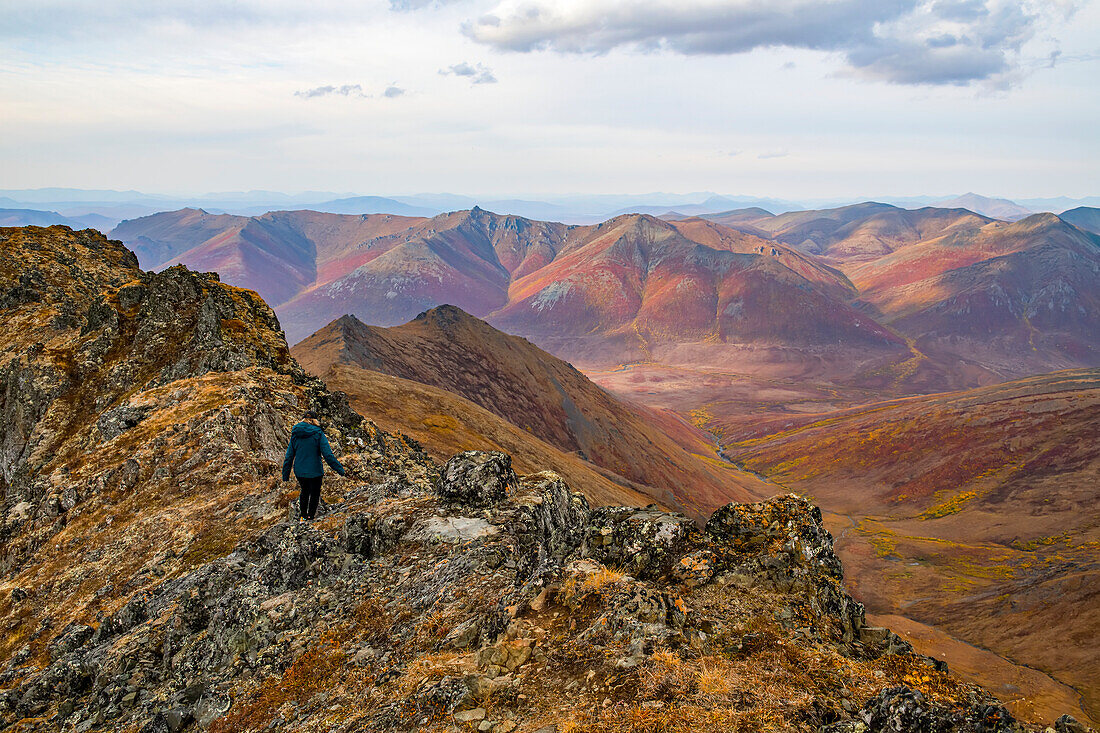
<point>542,395</point>
<point>152,582</point>
<point>445,423</point>
<point>144,419</point>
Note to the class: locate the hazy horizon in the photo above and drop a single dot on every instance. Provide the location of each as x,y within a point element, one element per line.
<point>40,195</point>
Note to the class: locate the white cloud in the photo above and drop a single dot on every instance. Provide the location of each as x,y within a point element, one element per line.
<point>150,95</point>
<point>406,5</point>
<point>346,90</point>
<point>476,73</point>
<point>898,41</point>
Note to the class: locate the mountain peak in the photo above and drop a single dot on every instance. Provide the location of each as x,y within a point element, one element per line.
<point>447,317</point>
<point>1043,220</point>
<point>348,321</point>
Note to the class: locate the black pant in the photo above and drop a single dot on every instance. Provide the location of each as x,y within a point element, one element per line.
<point>309,496</point>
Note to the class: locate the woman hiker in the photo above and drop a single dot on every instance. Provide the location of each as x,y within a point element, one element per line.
<point>308,445</point>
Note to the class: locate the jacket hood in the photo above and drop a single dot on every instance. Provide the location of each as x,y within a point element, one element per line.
<point>305,429</point>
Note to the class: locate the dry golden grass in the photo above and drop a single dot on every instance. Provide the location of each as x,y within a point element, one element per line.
<point>434,666</point>
<point>677,719</point>
<point>668,677</point>
<point>715,679</point>
<point>576,587</point>
<point>446,424</point>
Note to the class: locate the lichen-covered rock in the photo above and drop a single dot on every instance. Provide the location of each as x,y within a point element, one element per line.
<point>549,522</point>
<point>646,543</point>
<point>477,478</point>
<point>72,637</point>
<point>782,543</point>
<point>1069,724</point>
<point>368,536</point>
<point>905,709</point>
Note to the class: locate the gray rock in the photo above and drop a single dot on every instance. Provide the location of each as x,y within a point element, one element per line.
<point>210,707</point>
<point>644,542</point>
<point>477,478</point>
<point>1068,724</point>
<point>71,637</point>
<point>114,422</point>
<point>904,709</point>
<point>470,716</point>
<point>454,529</point>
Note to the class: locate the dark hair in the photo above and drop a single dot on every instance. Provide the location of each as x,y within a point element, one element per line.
<point>311,415</point>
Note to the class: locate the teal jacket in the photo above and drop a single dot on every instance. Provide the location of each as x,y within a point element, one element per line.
<point>308,445</point>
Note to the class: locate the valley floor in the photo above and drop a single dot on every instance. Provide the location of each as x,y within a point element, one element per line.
<point>964,519</point>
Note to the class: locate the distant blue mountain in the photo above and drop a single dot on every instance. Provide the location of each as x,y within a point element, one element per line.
<point>371,205</point>
<point>33,217</point>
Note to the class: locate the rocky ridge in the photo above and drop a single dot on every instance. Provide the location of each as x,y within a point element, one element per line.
<point>152,581</point>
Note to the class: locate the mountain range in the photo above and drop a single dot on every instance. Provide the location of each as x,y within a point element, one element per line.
<point>103,209</point>
<point>1004,299</point>
<point>868,295</point>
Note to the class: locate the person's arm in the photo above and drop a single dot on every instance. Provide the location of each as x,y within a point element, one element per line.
<point>289,460</point>
<point>330,459</point>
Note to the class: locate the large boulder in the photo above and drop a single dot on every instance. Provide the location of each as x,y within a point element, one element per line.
<point>477,479</point>
<point>643,542</point>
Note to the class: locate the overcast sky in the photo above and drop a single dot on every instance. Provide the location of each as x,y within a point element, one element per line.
<point>790,98</point>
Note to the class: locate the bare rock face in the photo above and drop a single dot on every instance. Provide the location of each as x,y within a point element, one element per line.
<point>85,330</point>
<point>143,418</point>
<point>477,478</point>
<point>783,544</point>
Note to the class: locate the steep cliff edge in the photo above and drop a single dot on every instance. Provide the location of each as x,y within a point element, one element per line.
<point>151,581</point>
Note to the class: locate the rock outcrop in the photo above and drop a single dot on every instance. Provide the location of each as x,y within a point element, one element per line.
<point>905,709</point>
<point>152,583</point>
<point>477,479</point>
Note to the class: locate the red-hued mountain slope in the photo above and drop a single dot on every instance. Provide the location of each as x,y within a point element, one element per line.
<point>859,231</point>
<point>637,283</point>
<point>278,254</point>
<point>1018,298</point>
<point>467,258</point>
